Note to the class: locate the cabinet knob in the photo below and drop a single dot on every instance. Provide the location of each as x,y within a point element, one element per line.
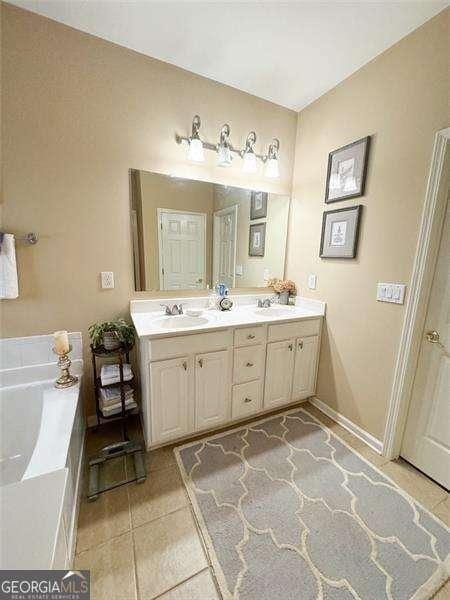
<point>249,364</point>
<point>200,362</point>
<point>247,400</point>
<point>300,344</point>
<point>291,347</point>
<point>251,336</point>
<point>184,365</point>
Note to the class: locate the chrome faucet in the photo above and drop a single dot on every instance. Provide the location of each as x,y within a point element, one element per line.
<point>177,309</point>
<point>265,303</point>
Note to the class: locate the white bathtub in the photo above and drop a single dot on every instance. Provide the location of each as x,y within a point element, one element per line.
<point>41,447</point>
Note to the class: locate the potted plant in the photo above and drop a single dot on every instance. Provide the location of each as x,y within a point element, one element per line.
<point>283,288</point>
<point>112,334</point>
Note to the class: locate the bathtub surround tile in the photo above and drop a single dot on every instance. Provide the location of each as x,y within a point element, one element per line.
<point>168,551</point>
<point>112,569</point>
<point>161,493</point>
<point>103,519</point>
<point>415,483</point>
<point>35,350</point>
<point>199,587</point>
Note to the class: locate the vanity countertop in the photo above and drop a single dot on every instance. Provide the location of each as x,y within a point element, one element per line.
<point>150,320</point>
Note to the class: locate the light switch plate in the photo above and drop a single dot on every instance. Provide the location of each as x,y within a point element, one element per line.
<point>107,278</point>
<point>312,281</point>
<point>391,292</point>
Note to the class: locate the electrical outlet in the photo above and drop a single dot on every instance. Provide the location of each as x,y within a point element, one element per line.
<point>312,281</point>
<point>107,278</point>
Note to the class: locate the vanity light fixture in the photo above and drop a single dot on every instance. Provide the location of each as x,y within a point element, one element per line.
<point>248,155</point>
<point>195,150</point>
<point>224,147</point>
<point>225,150</point>
<point>272,171</point>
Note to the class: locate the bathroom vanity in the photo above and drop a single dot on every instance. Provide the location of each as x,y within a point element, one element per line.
<point>202,373</point>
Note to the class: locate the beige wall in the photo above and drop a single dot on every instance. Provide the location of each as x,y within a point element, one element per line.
<point>276,234</point>
<point>78,112</point>
<point>160,191</point>
<point>401,99</point>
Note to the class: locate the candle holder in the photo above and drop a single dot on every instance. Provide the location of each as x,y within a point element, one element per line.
<point>66,379</point>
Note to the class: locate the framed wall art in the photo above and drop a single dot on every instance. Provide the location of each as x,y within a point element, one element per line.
<point>258,205</point>
<point>347,169</point>
<point>257,239</point>
<point>340,232</point>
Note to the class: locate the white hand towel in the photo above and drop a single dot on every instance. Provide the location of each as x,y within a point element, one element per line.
<point>9,287</point>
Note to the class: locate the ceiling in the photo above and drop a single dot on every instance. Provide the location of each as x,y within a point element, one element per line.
<point>287,52</point>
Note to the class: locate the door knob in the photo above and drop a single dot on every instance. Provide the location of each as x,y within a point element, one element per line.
<point>247,400</point>
<point>200,362</point>
<point>300,344</point>
<point>249,364</point>
<point>291,347</point>
<point>184,365</point>
<point>433,338</point>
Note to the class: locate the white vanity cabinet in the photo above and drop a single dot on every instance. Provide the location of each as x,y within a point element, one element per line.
<point>201,381</point>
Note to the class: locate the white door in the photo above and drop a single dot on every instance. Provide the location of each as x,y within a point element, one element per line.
<point>279,369</point>
<point>426,442</point>
<point>182,250</point>
<point>306,351</point>
<point>224,246</point>
<point>170,398</point>
<point>212,389</point>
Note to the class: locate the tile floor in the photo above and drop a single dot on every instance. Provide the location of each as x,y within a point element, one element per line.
<point>140,541</point>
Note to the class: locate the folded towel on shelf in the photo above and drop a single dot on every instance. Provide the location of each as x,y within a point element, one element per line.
<point>9,286</point>
<point>111,373</point>
<point>109,396</point>
<point>117,408</point>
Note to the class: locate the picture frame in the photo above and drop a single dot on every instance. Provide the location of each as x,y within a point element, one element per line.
<point>258,205</point>
<point>257,239</point>
<point>340,232</point>
<point>347,171</point>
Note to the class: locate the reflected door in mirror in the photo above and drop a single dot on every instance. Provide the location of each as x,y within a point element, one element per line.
<point>182,250</point>
<point>224,240</point>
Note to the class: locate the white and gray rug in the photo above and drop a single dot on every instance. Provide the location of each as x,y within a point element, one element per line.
<point>289,511</point>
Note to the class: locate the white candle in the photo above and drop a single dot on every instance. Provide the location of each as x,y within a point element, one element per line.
<point>61,342</point>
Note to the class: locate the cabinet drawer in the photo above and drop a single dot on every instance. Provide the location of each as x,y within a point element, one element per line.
<point>189,344</point>
<point>285,331</point>
<point>249,335</point>
<point>248,363</point>
<point>247,399</point>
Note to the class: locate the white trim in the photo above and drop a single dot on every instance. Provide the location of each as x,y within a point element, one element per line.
<point>356,430</point>
<point>414,316</point>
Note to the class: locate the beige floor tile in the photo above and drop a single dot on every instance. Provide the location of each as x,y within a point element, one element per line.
<point>103,519</point>
<point>160,458</point>
<point>168,551</point>
<point>199,587</point>
<point>112,569</point>
<point>415,483</point>
<point>443,593</point>
<point>442,510</point>
<point>161,493</point>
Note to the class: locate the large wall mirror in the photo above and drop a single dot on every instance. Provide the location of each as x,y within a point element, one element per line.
<point>192,234</point>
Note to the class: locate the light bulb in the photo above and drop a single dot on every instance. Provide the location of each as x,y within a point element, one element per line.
<point>272,169</point>
<point>224,156</point>
<point>249,165</point>
<point>195,151</point>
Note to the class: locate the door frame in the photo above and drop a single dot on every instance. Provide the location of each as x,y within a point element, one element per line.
<point>219,213</point>
<point>416,304</point>
<point>159,213</point>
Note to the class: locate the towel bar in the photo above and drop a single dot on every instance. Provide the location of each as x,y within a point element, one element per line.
<point>30,238</point>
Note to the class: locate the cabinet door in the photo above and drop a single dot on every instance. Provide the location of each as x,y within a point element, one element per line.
<point>212,389</point>
<point>279,369</point>
<point>170,398</point>
<point>306,354</point>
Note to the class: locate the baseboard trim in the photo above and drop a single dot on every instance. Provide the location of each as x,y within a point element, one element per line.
<point>366,437</point>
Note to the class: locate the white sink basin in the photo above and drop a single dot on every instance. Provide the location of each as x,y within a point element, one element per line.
<point>276,311</point>
<point>180,321</point>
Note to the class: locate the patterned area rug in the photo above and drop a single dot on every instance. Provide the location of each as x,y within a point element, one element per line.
<point>289,511</point>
